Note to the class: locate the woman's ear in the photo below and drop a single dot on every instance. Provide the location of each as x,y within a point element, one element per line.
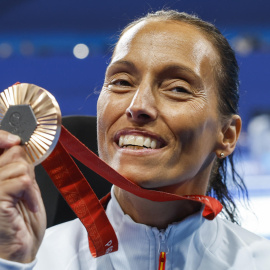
<point>229,135</point>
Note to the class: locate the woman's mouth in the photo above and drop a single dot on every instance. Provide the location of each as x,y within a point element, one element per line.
<point>137,142</point>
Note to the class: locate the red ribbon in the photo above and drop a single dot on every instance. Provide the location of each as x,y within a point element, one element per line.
<point>81,198</point>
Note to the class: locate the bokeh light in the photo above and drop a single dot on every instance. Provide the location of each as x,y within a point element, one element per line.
<point>5,50</point>
<point>81,51</point>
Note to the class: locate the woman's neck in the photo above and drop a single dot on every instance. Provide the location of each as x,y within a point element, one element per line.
<point>155,214</point>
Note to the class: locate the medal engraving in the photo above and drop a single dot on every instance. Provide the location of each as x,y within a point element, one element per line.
<point>20,120</point>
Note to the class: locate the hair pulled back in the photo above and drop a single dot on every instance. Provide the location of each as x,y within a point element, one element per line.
<point>226,76</point>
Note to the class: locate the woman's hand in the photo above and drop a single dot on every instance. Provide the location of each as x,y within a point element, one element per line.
<point>22,213</point>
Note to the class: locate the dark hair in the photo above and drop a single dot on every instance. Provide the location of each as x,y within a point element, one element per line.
<point>226,73</point>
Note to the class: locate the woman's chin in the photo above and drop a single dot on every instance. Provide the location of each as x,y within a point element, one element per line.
<point>143,182</point>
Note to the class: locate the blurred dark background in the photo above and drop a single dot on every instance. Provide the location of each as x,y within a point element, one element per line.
<point>64,46</point>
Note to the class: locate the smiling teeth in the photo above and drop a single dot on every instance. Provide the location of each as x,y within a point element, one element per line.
<point>141,141</point>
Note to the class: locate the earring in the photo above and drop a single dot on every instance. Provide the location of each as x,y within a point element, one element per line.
<point>222,155</point>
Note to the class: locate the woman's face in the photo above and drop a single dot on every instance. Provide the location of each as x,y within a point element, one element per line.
<point>158,121</point>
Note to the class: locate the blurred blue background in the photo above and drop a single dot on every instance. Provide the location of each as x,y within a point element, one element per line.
<point>39,44</point>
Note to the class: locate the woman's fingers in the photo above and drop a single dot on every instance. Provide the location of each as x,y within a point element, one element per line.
<point>21,207</point>
<point>14,154</point>
<point>17,178</point>
<point>7,139</point>
<point>17,175</point>
<point>20,189</point>
<point>22,219</point>
<point>15,170</point>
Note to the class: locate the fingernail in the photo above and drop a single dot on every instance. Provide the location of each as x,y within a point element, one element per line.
<point>13,138</point>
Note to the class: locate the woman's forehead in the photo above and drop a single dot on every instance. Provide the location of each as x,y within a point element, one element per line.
<point>166,29</point>
<point>164,41</point>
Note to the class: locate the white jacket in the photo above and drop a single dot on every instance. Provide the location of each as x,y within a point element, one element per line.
<point>192,244</point>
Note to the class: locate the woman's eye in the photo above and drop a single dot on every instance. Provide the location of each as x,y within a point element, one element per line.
<point>179,90</point>
<point>121,83</point>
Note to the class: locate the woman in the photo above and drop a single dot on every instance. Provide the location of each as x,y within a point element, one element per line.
<point>167,120</point>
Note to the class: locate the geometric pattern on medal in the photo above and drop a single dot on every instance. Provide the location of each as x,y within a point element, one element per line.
<point>37,122</point>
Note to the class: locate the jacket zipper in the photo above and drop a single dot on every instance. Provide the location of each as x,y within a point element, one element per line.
<point>162,261</point>
<point>163,250</point>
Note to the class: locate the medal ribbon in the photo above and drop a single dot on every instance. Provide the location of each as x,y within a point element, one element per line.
<point>81,198</point>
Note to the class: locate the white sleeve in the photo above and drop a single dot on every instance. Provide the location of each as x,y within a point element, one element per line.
<point>9,265</point>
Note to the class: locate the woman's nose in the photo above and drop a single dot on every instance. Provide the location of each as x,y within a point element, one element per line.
<point>142,108</point>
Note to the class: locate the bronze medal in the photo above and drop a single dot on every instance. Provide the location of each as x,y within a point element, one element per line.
<point>32,113</point>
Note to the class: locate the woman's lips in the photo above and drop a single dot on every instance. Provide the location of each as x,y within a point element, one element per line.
<point>138,139</point>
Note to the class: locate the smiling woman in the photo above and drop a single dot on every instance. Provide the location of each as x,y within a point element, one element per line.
<point>167,121</point>
<point>159,82</point>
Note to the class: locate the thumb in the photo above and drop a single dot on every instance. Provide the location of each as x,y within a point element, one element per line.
<point>7,139</point>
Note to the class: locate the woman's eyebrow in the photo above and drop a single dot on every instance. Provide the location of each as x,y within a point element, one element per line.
<point>123,64</point>
<point>175,70</point>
